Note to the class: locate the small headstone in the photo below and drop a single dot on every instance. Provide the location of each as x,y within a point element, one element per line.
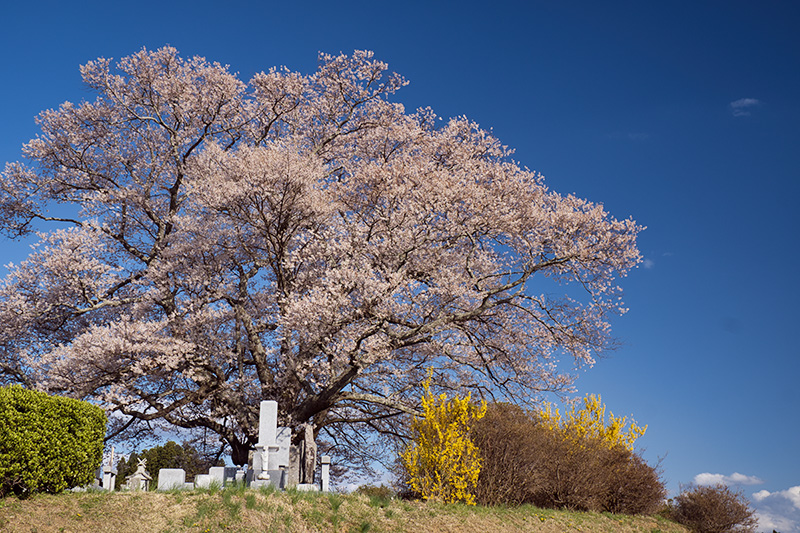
<point>223,475</point>
<point>203,481</point>
<point>171,478</point>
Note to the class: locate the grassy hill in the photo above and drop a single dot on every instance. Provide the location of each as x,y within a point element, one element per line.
<point>250,511</point>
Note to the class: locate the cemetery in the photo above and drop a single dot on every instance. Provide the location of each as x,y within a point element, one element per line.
<point>275,463</point>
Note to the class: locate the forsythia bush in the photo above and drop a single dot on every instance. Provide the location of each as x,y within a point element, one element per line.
<point>442,463</point>
<point>590,421</point>
<point>47,443</point>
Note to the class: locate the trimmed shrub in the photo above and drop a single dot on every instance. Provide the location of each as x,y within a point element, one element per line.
<point>47,443</point>
<point>526,460</point>
<point>715,509</point>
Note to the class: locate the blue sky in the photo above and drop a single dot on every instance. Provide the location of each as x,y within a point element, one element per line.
<point>683,115</point>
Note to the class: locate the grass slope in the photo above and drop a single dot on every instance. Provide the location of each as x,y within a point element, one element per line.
<point>249,511</point>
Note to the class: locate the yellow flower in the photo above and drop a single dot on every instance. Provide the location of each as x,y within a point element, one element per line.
<point>590,421</point>
<point>442,462</point>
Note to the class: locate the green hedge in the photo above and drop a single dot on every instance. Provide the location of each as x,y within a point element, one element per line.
<point>47,443</point>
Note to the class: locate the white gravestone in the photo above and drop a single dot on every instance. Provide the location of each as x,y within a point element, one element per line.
<point>223,475</point>
<point>271,457</point>
<point>267,423</point>
<point>203,481</point>
<point>171,478</point>
<point>267,433</point>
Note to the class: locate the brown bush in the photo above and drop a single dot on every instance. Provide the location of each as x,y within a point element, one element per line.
<point>526,462</point>
<point>634,487</point>
<point>716,509</point>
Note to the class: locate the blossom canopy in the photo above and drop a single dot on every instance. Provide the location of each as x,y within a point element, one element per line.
<point>301,238</point>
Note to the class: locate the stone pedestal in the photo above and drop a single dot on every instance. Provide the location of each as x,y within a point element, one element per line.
<point>109,477</point>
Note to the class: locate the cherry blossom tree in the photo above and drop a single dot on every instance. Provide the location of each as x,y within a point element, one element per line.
<point>206,243</point>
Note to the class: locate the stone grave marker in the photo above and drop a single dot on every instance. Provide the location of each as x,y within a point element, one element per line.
<point>171,478</point>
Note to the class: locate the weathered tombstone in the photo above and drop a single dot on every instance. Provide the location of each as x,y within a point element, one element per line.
<point>306,460</point>
<point>293,474</point>
<point>325,473</point>
<point>171,478</point>
<point>308,456</point>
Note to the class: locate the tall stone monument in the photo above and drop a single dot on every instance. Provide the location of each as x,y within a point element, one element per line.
<point>275,461</point>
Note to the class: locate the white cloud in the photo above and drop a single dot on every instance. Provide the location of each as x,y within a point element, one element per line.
<point>740,479</point>
<point>734,479</point>
<point>741,107</point>
<point>793,495</point>
<point>778,510</point>
<point>649,263</point>
<point>761,495</point>
<point>768,522</point>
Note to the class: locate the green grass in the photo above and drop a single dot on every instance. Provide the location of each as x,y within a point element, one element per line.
<point>242,510</point>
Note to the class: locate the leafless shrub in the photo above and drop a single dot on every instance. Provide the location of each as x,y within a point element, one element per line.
<point>716,509</point>
<point>526,462</point>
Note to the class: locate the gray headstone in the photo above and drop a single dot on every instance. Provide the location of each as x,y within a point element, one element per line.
<point>280,457</point>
